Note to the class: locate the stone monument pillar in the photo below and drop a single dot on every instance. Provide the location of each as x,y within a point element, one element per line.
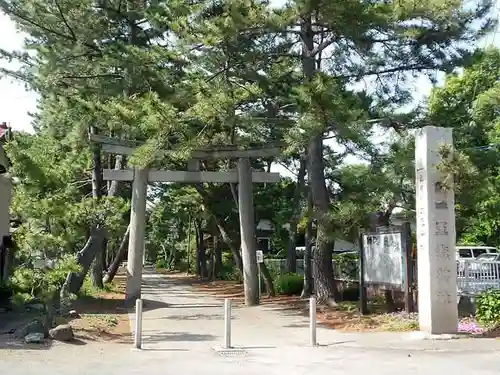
<point>437,269</point>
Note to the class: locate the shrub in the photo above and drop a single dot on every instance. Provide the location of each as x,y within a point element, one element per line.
<point>227,259</point>
<point>228,270</point>
<point>230,274</point>
<point>161,263</point>
<point>274,268</point>
<point>488,307</point>
<point>181,266</point>
<point>289,284</point>
<point>347,265</point>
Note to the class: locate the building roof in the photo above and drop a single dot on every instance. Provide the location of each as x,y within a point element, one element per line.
<point>265,225</point>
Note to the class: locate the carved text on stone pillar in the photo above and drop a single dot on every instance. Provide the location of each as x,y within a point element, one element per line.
<point>441,228</point>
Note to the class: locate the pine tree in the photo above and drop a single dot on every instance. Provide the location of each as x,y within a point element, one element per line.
<point>337,45</point>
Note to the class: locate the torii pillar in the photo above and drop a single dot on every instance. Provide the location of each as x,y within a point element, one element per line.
<point>137,234</point>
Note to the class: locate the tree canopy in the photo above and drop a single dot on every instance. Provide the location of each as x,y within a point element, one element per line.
<point>298,75</point>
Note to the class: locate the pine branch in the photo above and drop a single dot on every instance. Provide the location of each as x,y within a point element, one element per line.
<point>322,46</point>
<point>63,18</point>
<point>11,11</point>
<point>104,75</point>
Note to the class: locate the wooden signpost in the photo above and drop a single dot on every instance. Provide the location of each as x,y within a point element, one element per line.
<point>140,178</point>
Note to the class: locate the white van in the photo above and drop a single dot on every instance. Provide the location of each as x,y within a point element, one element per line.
<point>472,252</point>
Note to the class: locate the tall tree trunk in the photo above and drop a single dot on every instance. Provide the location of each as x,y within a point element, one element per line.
<point>268,280</point>
<point>200,251</point>
<point>188,250</point>
<point>84,258</point>
<point>97,186</point>
<point>235,251</point>
<point>222,230</point>
<point>122,251</point>
<point>113,185</point>
<point>218,256</point>
<point>324,285</point>
<point>198,255</point>
<point>308,279</point>
<point>322,260</point>
<point>120,257</point>
<point>291,256</point>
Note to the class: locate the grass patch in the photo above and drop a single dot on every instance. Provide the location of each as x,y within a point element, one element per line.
<point>89,290</point>
<point>346,317</point>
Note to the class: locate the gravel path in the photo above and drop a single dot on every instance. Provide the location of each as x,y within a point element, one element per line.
<point>182,327</point>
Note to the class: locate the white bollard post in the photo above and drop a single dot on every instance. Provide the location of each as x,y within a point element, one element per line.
<point>260,282</point>
<point>312,320</point>
<point>138,324</point>
<point>227,322</point>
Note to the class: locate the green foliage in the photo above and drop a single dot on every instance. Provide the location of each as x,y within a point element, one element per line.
<point>230,273</point>
<point>180,75</point>
<point>53,198</point>
<point>467,103</point>
<point>381,186</point>
<point>19,299</point>
<point>162,263</point>
<point>347,264</point>
<point>289,284</point>
<point>228,270</point>
<point>43,283</point>
<point>488,307</point>
<point>170,221</point>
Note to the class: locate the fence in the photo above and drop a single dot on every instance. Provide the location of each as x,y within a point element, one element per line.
<point>473,276</point>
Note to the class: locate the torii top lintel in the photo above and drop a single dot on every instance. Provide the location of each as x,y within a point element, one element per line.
<point>127,147</point>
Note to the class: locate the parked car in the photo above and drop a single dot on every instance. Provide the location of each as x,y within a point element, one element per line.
<point>473,252</point>
<point>470,253</point>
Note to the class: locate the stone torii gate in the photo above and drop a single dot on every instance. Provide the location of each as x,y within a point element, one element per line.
<point>243,175</point>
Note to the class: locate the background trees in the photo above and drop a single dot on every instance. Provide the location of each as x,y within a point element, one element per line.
<point>316,78</point>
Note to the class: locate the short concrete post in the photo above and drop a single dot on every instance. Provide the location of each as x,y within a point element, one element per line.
<point>227,323</point>
<point>138,324</point>
<point>312,321</point>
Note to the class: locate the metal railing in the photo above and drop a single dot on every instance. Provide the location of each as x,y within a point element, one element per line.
<point>475,276</point>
